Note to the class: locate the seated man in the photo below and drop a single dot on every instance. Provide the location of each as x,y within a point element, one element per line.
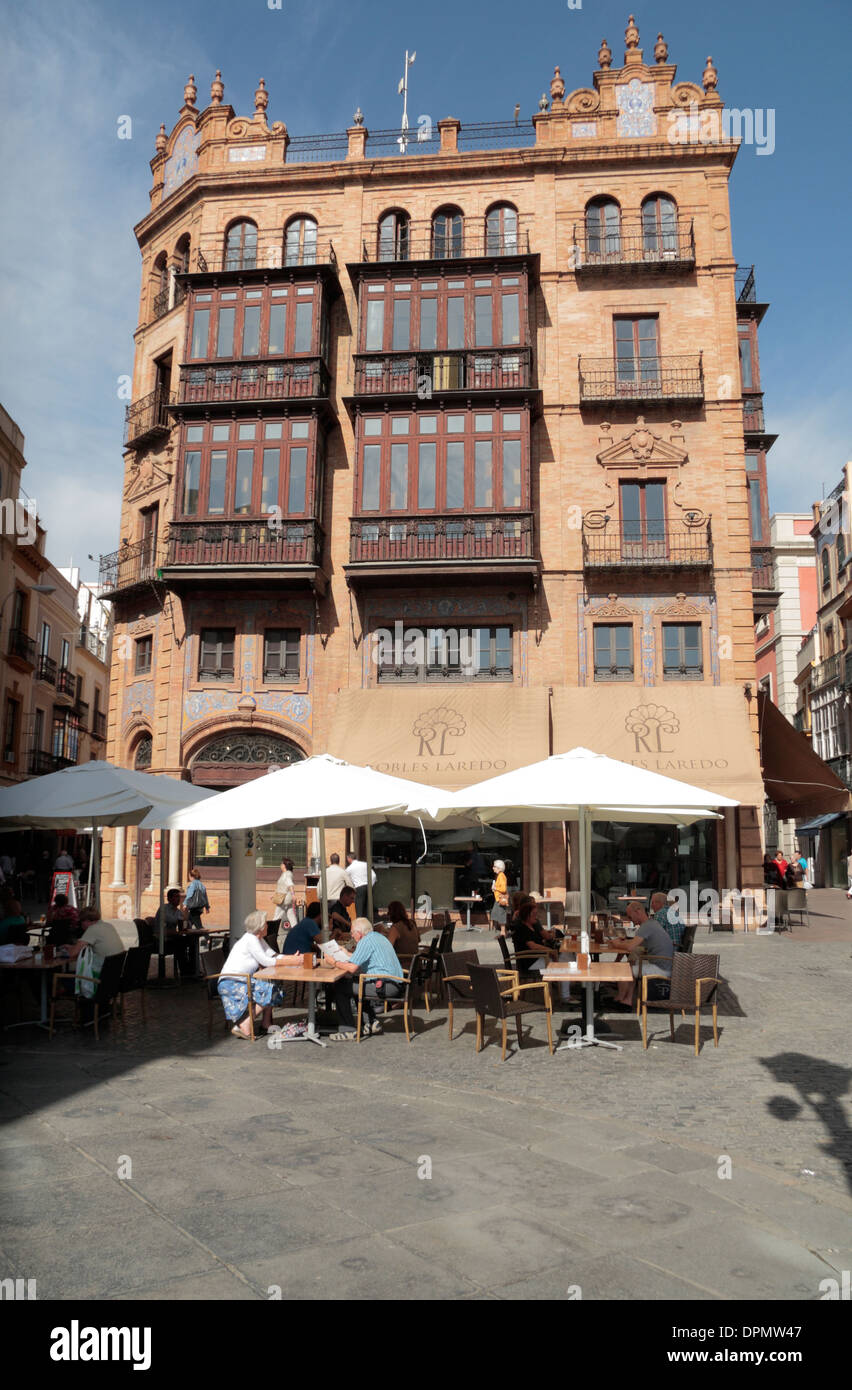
<point>339,921</point>
<point>101,936</point>
<point>668,917</point>
<point>655,940</point>
<point>301,938</point>
<point>64,922</point>
<point>173,918</point>
<point>373,955</point>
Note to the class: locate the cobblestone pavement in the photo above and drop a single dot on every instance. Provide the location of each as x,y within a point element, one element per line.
<point>429,1147</point>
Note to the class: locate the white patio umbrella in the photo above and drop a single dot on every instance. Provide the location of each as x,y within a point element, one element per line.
<point>321,791</point>
<point>582,786</point>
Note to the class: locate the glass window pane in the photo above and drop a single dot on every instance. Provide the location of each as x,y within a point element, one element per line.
<point>745,363</point>
<point>483,324</point>
<point>483,424</point>
<point>300,429</point>
<point>455,322</point>
<point>511,422</point>
<point>755,508</point>
<point>375,325</point>
<point>242,484</point>
<point>483,481</point>
<point>400,424</point>
<point>277,327</point>
<point>298,480</point>
<point>399,477</point>
<point>269,487</point>
<point>200,329</point>
<point>428,323</point>
<point>304,327</point>
<point>455,424</point>
<point>401,324</point>
<point>216,491</point>
<point>511,318</point>
<point>511,472</point>
<point>370,486</point>
<point>191,479</point>
<point>372,426</point>
<point>225,335</point>
<point>428,424</point>
<point>455,476</point>
<point>251,330</point>
<point>220,432</point>
<point>426,477</point>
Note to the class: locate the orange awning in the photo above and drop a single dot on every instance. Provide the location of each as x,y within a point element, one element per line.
<point>796,778</point>
<point>448,736</point>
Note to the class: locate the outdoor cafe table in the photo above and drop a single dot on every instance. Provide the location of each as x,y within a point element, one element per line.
<point>298,975</point>
<point>194,934</point>
<point>468,902</point>
<point>602,972</point>
<point>44,968</point>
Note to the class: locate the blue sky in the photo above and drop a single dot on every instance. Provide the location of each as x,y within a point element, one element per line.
<point>69,265</point>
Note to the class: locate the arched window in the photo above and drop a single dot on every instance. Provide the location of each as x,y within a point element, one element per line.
<point>501,230</point>
<point>181,256</point>
<point>160,285</point>
<point>143,753</point>
<point>840,550</point>
<point>241,246</point>
<point>659,225</point>
<point>603,230</point>
<point>447,234</point>
<point>826,568</point>
<point>300,242</point>
<point>394,236</point>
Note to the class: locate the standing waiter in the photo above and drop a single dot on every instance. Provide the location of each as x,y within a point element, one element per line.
<point>357,870</point>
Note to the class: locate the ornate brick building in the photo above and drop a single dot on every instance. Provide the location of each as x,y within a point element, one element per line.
<point>436,460</point>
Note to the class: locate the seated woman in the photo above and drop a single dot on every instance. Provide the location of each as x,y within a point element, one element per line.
<point>13,923</point>
<point>64,922</point>
<point>249,955</point>
<point>401,931</point>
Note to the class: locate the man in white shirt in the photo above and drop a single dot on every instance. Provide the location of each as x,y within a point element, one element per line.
<point>64,863</point>
<point>336,878</point>
<point>357,870</point>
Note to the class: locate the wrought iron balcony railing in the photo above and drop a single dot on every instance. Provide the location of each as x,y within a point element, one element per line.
<point>40,763</point>
<point>147,417</point>
<point>261,380</point>
<point>46,670</point>
<point>134,565</point>
<point>645,545</point>
<point>267,254</point>
<point>611,381</point>
<point>99,724</point>
<point>66,682</point>
<point>744,284</point>
<point>841,766</point>
<point>266,544</point>
<point>81,710</point>
<point>634,247</point>
<point>22,646</point>
<point>414,539</point>
<point>169,298</point>
<point>827,672</point>
<point>423,374</point>
<point>423,242</point>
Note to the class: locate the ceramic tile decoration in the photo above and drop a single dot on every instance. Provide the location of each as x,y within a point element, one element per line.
<point>635,103</point>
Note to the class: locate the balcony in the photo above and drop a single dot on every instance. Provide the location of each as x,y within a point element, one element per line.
<point>22,651</point>
<point>748,305</point>
<point>66,683</point>
<point>259,380</point>
<point>762,576</point>
<point>46,670</point>
<point>641,380</point>
<point>754,427</point>
<point>641,546</point>
<point>147,419</point>
<point>421,242</point>
<point>489,542</point>
<point>633,248</point>
<point>842,768</point>
<point>41,763</point>
<point>168,299</point>
<point>99,725</point>
<point>268,254</point>
<point>81,712</point>
<point>423,375</point>
<point>129,569</point>
<point>827,672</point>
<point>253,550</point>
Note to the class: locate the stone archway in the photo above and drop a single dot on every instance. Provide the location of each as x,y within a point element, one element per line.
<point>227,760</point>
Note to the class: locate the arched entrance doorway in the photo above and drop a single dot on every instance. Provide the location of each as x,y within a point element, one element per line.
<point>142,850</point>
<point>227,761</point>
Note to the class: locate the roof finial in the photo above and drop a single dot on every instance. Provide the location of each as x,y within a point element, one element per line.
<point>261,99</point>
<point>217,89</point>
<point>661,50</point>
<point>162,139</point>
<point>557,87</point>
<point>710,76</point>
<point>604,55</point>
<point>358,118</point>
<point>543,102</point>
<point>631,35</point>
<point>190,91</point>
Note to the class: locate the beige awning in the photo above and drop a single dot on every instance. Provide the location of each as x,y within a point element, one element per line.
<point>449,737</point>
<point>696,734</point>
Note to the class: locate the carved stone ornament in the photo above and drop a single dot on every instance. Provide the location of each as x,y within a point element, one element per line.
<point>557,87</point>
<point>217,89</point>
<point>583,101</point>
<point>604,55</point>
<point>661,50</point>
<point>358,118</point>
<point>684,93</point>
<point>190,91</point>
<point>680,607</point>
<point>162,140</point>
<point>149,475</point>
<point>261,99</point>
<point>543,102</point>
<point>641,446</point>
<point>710,77</point>
<point>613,609</point>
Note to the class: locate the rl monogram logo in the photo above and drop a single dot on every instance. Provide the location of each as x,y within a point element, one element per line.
<point>650,722</point>
<point>438,723</point>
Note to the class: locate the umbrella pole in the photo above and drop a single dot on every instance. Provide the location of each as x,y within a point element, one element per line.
<point>368,845</point>
<point>323,879</point>
<point>161,946</point>
<point>92,857</point>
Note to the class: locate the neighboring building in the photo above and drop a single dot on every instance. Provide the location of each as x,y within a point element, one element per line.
<point>435,445</point>
<point>825,676</point>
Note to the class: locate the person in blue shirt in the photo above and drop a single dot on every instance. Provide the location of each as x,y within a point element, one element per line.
<point>668,917</point>
<point>373,955</point>
<point>300,939</point>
